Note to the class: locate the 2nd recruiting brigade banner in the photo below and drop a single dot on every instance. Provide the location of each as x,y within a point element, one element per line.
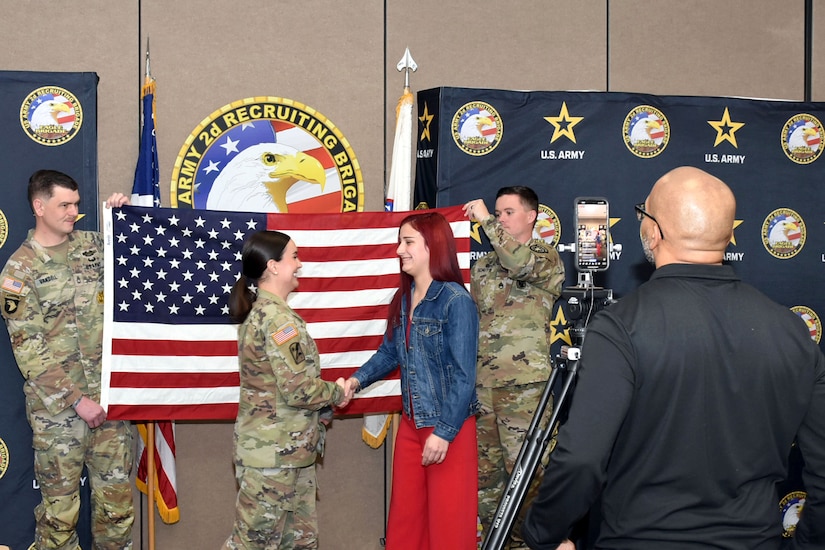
<point>47,120</point>
<point>565,145</point>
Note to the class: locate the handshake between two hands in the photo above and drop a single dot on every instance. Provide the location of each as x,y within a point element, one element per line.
<point>350,386</point>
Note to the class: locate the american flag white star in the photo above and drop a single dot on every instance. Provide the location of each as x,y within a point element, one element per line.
<point>180,265</point>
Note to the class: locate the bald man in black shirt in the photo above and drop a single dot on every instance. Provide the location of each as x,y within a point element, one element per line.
<point>691,391</point>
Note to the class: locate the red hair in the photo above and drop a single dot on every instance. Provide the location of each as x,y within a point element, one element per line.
<point>438,237</point>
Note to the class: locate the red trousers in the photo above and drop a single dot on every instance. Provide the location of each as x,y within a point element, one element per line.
<point>433,507</point>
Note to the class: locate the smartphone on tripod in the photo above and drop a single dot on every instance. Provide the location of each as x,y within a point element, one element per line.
<point>592,234</point>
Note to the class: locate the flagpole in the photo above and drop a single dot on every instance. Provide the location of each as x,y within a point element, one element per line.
<point>150,481</point>
<point>151,467</point>
<point>406,64</point>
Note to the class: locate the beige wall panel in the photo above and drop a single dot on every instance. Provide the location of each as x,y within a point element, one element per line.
<point>518,45</point>
<point>749,48</point>
<point>327,57</point>
<point>97,36</point>
<point>321,53</point>
<point>350,489</point>
<point>818,59</point>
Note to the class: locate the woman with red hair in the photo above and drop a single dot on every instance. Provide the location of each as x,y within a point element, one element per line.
<point>432,334</point>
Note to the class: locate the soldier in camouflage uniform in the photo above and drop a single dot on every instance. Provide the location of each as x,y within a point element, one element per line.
<point>52,302</point>
<point>278,432</point>
<point>515,287</point>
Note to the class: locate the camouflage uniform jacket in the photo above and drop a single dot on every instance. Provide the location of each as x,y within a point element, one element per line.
<point>54,314</point>
<point>281,388</point>
<point>514,286</point>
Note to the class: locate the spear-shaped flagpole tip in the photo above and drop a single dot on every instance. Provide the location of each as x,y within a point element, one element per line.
<point>407,64</point>
<point>148,71</point>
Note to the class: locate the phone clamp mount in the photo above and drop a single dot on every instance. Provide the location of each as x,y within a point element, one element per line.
<point>583,301</point>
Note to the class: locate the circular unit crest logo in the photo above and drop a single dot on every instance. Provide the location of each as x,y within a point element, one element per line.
<point>791,506</point>
<point>646,131</point>
<point>267,154</point>
<point>812,321</point>
<point>51,115</point>
<point>4,229</point>
<point>783,233</point>
<point>4,458</point>
<point>802,138</point>
<point>548,226</point>
<point>477,128</point>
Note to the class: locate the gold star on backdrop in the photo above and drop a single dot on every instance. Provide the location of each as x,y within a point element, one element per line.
<point>563,124</point>
<point>425,119</point>
<point>559,328</point>
<point>474,232</point>
<point>736,223</point>
<point>725,129</point>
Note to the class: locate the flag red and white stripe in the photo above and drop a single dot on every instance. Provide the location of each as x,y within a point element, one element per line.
<point>166,492</point>
<point>164,361</point>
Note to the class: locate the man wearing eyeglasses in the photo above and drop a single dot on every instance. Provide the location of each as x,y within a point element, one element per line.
<point>691,392</point>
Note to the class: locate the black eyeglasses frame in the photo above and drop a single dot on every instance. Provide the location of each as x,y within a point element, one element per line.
<point>641,213</point>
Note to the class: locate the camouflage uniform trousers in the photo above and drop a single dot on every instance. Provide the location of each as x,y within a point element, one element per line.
<point>63,444</point>
<point>275,509</point>
<point>502,424</point>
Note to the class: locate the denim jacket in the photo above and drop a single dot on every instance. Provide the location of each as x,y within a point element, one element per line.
<point>438,367</point>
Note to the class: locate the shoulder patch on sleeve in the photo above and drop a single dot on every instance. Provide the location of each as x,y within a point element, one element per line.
<point>539,248</point>
<point>297,352</point>
<point>285,334</point>
<point>12,285</point>
<point>11,305</point>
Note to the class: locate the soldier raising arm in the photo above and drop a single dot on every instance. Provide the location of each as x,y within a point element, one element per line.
<point>515,287</point>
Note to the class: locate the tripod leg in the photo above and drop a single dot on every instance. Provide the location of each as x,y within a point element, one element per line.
<point>524,470</point>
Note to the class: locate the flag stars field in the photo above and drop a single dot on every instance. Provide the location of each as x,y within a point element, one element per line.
<point>171,349</point>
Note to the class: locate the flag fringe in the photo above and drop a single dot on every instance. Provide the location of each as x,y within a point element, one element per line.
<point>375,440</point>
<point>168,515</point>
<point>405,99</point>
<point>148,86</point>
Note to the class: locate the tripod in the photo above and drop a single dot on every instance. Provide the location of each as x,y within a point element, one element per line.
<point>530,454</point>
<point>538,435</point>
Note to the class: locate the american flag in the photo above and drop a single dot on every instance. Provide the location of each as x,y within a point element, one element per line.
<point>170,350</point>
<point>12,285</point>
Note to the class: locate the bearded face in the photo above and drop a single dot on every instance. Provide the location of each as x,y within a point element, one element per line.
<point>646,249</point>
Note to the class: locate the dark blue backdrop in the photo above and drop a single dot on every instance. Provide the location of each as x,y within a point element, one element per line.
<point>74,153</point>
<point>471,142</point>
